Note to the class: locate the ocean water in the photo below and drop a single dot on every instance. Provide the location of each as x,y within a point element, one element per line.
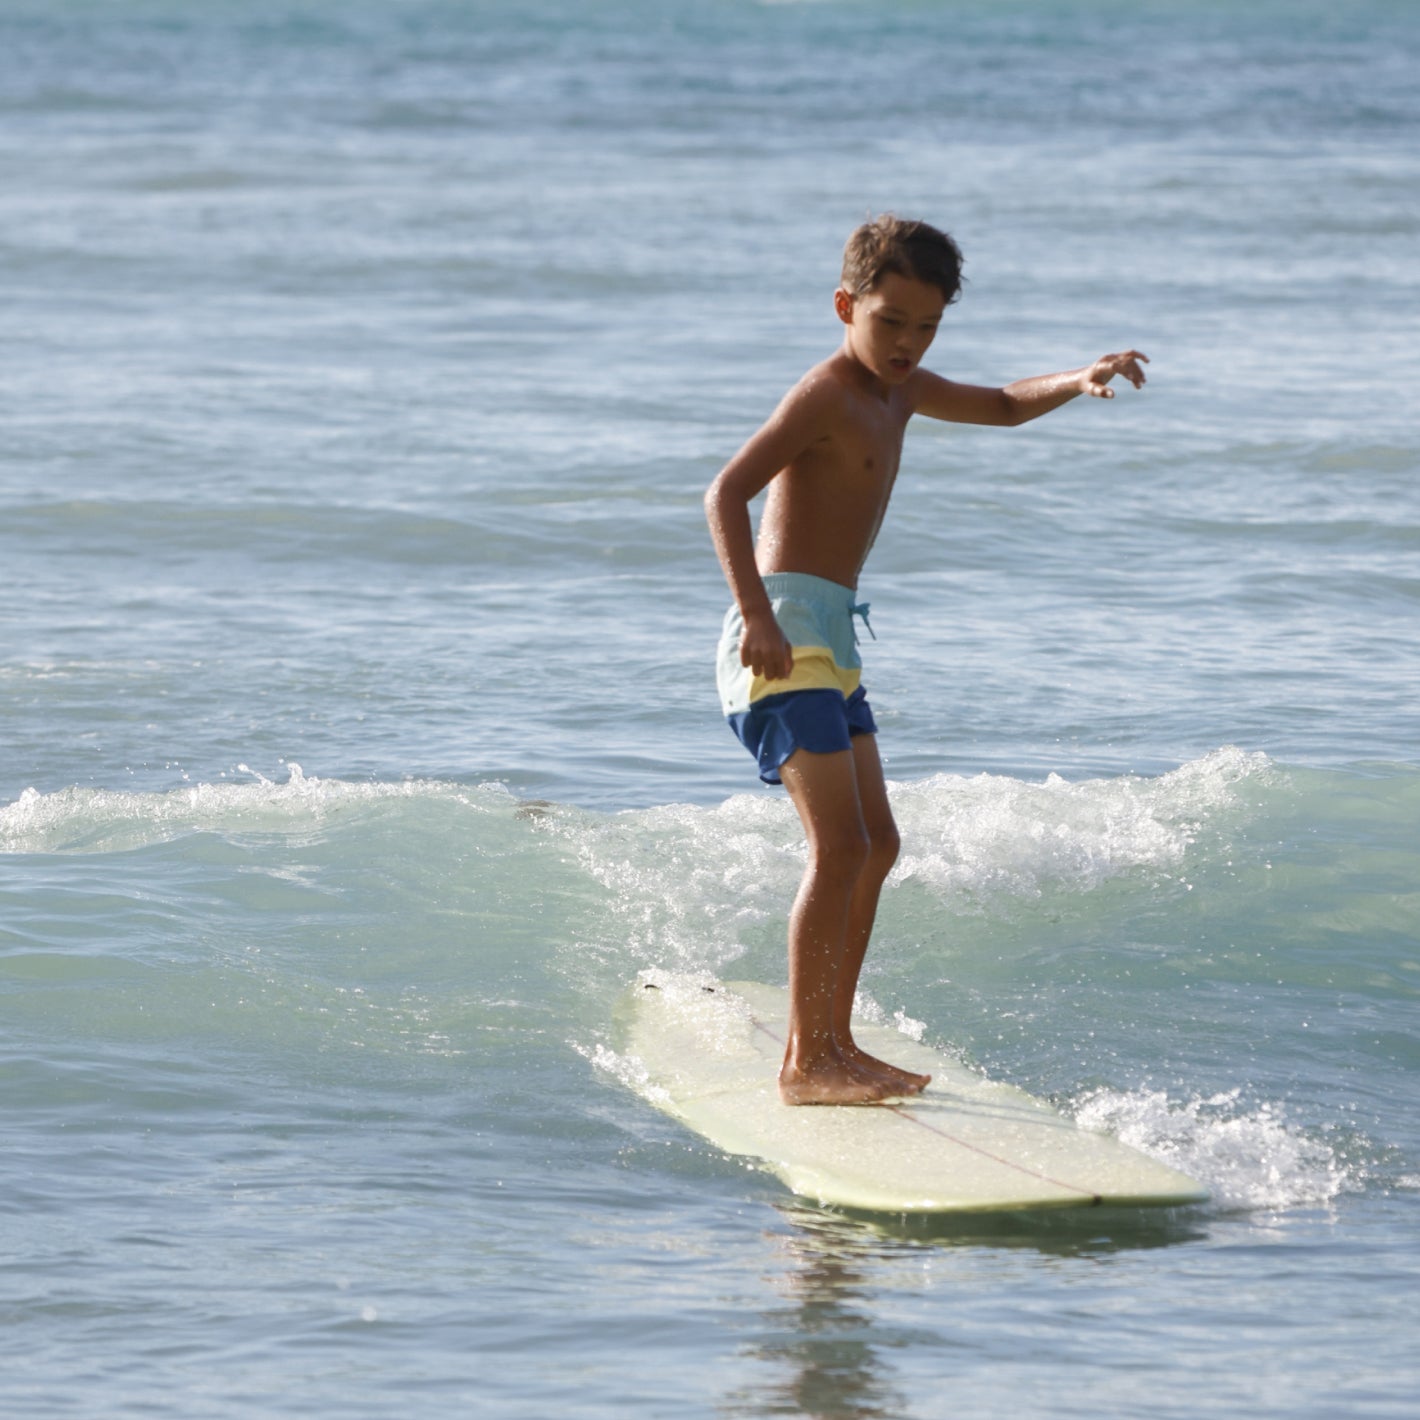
<point>359,746</point>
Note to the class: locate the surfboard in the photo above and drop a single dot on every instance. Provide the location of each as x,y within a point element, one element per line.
<point>710,1055</point>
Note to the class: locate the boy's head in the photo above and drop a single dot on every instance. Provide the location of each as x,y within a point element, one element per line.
<point>911,249</point>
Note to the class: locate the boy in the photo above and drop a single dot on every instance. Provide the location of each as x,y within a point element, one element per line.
<point>788,665</point>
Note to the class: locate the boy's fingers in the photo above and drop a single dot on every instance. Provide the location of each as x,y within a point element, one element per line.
<point>773,664</point>
<point>1125,363</point>
<point>778,667</point>
<point>1130,367</point>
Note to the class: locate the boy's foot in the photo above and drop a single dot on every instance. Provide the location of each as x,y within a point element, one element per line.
<point>903,1082</point>
<point>833,1081</point>
<point>849,1076</point>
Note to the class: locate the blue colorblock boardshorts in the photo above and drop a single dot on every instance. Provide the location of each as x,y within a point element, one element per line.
<point>822,704</point>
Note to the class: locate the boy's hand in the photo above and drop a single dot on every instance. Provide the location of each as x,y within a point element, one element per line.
<point>1095,380</point>
<point>764,648</point>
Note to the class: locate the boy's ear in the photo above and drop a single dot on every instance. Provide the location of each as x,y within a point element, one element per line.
<point>843,305</point>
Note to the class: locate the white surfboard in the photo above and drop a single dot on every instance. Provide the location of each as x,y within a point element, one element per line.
<point>711,1058</point>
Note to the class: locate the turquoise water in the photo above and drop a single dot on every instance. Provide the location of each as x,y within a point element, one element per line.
<point>359,746</point>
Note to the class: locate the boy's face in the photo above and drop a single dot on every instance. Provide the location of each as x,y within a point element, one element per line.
<point>891,326</point>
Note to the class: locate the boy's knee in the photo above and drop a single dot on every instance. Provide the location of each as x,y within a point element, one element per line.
<point>885,843</point>
<point>843,851</point>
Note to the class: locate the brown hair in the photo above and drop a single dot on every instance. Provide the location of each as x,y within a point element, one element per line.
<point>912,249</point>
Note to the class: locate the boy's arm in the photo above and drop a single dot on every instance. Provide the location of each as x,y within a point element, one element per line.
<point>797,423</point>
<point>1025,399</point>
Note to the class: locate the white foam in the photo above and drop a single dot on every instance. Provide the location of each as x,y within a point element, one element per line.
<point>625,1069</point>
<point>707,1012</point>
<point>992,834</point>
<point>110,820</point>
<point>867,1009</point>
<point>1247,1158</point>
<point>688,882</point>
<point>692,884</point>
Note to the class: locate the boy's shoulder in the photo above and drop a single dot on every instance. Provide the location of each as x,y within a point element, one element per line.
<point>828,391</point>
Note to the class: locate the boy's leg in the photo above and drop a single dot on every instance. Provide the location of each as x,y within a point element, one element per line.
<point>883,845</point>
<point>849,855</point>
<point>824,789</point>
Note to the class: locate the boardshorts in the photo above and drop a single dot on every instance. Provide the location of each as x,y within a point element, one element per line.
<point>822,704</point>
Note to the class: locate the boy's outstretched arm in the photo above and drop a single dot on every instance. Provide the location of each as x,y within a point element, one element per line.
<point>1024,400</point>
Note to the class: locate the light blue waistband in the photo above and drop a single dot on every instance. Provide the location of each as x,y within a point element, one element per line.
<point>804,586</point>
<point>808,587</point>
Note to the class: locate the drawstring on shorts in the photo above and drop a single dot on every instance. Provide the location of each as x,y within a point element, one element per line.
<point>861,609</point>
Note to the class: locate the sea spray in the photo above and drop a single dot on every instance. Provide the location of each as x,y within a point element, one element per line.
<point>695,888</point>
<point>1250,1158</point>
<point>973,838</point>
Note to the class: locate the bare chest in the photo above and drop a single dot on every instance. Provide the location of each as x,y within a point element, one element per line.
<point>866,450</point>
